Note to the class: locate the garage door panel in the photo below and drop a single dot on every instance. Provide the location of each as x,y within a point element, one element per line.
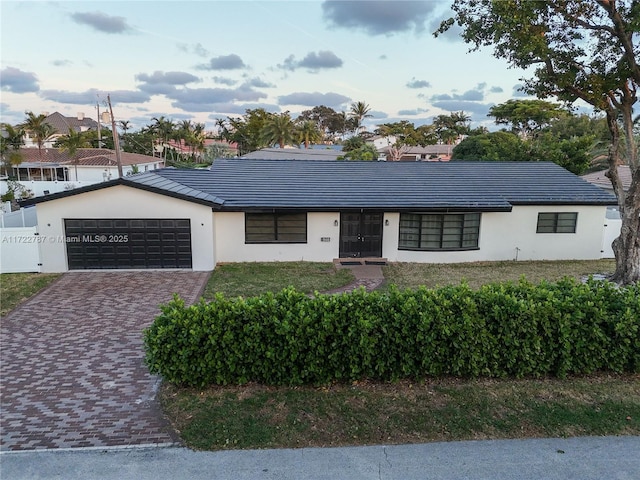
<point>128,243</point>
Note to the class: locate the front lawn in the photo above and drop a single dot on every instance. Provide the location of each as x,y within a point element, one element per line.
<point>255,416</point>
<point>15,288</point>
<point>412,275</point>
<point>250,279</point>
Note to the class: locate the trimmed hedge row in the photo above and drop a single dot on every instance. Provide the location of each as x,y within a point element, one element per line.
<point>497,331</point>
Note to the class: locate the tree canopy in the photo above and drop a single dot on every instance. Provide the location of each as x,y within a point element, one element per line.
<point>578,51</point>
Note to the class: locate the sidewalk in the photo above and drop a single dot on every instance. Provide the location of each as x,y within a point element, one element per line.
<point>586,458</point>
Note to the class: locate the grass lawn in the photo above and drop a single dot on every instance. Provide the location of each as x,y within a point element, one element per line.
<point>412,275</point>
<point>254,416</point>
<point>15,288</point>
<point>250,279</point>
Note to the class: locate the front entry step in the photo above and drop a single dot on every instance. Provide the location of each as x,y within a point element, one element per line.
<point>360,261</point>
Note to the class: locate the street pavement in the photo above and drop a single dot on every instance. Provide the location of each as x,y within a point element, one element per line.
<point>585,458</point>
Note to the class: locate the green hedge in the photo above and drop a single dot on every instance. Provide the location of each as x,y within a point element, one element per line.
<point>497,331</point>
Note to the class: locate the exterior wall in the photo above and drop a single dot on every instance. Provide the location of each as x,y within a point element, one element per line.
<point>19,250</point>
<point>122,202</point>
<point>512,236</point>
<point>230,246</point>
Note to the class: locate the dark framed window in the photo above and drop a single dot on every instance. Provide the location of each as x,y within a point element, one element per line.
<point>275,227</point>
<point>557,222</point>
<point>439,231</point>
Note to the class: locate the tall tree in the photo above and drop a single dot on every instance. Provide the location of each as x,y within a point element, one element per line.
<point>358,111</point>
<point>308,132</point>
<point>527,117</point>
<point>11,139</point>
<point>164,129</point>
<point>406,136</point>
<point>71,143</point>
<point>450,127</point>
<point>578,50</point>
<point>38,128</point>
<point>492,146</point>
<point>246,131</point>
<point>279,129</point>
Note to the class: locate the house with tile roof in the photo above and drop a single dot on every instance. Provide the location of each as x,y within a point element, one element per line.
<point>244,210</point>
<point>51,170</point>
<point>61,125</point>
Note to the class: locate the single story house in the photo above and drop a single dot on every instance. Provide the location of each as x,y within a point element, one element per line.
<point>244,210</point>
<point>52,170</point>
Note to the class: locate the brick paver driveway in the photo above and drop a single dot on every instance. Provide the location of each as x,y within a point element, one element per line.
<point>71,361</point>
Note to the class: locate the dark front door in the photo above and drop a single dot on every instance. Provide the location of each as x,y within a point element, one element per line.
<point>360,235</point>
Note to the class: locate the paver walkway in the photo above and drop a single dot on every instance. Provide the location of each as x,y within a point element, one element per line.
<point>368,276</point>
<point>71,361</point>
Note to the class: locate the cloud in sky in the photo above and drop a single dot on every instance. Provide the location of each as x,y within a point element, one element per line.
<point>330,99</point>
<point>414,83</point>
<point>201,99</point>
<point>378,17</point>
<point>496,90</point>
<point>17,81</point>
<point>257,82</point>
<point>221,109</point>
<point>196,48</point>
<point>102,22</point>
<point>169,78</point>
<point>89,97</point>
<point>224,80</point>
<point>61,63</point>
<point>518,91</point>
<point>412,112</point>
<point>224,62</point>
<point>313,61</point>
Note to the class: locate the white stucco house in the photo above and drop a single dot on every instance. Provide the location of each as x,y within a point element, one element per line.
<point>51,170</point>
<point>245,210</point>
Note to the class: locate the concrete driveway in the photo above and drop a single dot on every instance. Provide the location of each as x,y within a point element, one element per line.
<point>71,361</point>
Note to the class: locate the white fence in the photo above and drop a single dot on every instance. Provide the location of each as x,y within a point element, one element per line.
<point>25,217</point>
<point>19,250</point>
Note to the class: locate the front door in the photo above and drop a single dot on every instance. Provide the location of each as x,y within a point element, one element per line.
<point>360,234</point>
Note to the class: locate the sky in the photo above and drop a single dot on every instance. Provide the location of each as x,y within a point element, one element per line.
<point>204,60</point>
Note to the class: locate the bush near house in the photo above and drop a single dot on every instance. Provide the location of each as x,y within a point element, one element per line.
<point>501,330</point>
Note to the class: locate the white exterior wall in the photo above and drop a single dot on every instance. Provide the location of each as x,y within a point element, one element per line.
<point>122,202</point>
<point>230,246</point>
<point>512,235</point>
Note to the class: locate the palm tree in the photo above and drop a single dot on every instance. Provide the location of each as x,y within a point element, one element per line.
<point>164,129</point>
<point>308,132</point>
<point>39,129</point>
<point>124,125</point>
<point>358,112</point>
<point>12,142</point>
<point>279,129</point>
<point>70,143</point>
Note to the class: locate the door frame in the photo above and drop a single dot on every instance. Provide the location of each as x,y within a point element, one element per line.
<point>361,234</point>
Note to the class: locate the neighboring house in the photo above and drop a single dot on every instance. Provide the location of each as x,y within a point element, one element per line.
<point>293,153</point>
<point>62,125</point>
<point>244,210</point>
<point>52,170</point>
<point>613,222</point>
<point>428,153</point>
<point>184,150</point>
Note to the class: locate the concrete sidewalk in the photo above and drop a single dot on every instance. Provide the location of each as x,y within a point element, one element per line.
<point>586,458</point>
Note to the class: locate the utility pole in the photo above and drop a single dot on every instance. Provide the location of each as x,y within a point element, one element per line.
<point>116,142</point>
<point>99,126</point>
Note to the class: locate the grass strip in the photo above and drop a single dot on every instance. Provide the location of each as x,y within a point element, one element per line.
<point>366,413</point>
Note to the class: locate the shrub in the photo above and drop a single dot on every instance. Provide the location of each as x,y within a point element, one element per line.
<point>288,338</point>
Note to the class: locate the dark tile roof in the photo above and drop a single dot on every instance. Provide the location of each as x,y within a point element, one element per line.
<point>242,184</point>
